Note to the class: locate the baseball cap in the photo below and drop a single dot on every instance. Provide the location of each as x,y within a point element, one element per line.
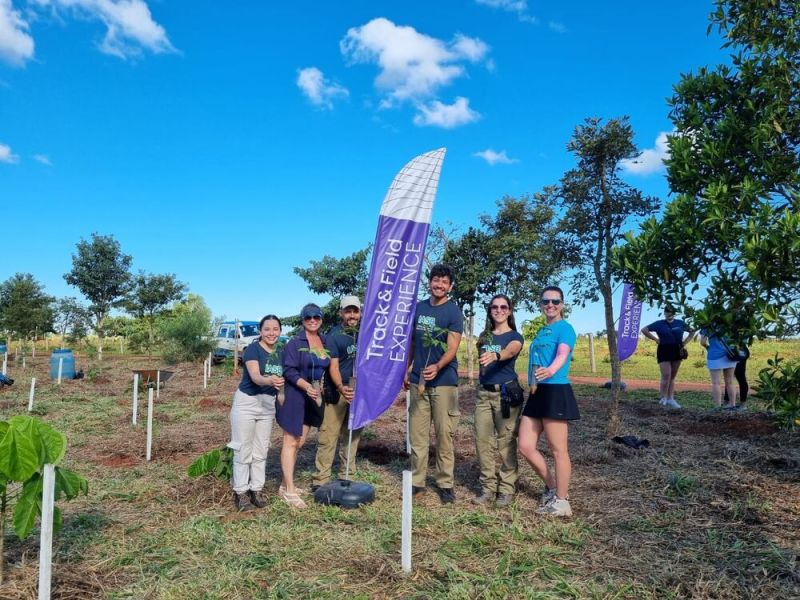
<point>310,310</point>
<point>350,301</point>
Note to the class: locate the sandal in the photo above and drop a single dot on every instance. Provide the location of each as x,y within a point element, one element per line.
<point>297,490</point>
<point>293,500</point>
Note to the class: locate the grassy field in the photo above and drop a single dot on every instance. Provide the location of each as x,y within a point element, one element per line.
<point>709,511</point>
<point>643,365</point>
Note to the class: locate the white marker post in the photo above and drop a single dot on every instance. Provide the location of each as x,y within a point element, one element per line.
<point>408,429</point>
<point>30,396</point>
<point>149,423</point>
<point>205,374</point>
<point>158,384</point>
<point>5,363</point>
<point>121,351</point>
<point>209,365</point>
<point>405,536</point>
<point>591,354</point>
<point>46,542</point>
<point>99,353</point>
<point>60,368</point>
<point>135,396</point>
<point>23,361</point>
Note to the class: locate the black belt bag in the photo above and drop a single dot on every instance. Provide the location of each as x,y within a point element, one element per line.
<point>511,395</point>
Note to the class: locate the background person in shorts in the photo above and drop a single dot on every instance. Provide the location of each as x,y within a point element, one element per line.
<point>551,404</point>
<point>669,335</point>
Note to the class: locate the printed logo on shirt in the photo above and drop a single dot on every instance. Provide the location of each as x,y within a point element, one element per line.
<point>351,350</point>
<point>426,323</point>
<point>493,348</point>
<point>270,369</point>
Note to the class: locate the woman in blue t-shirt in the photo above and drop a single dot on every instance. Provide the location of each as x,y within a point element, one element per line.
<point>669,335</point>
<point>720,367</point>
<point>253,413</point>
<point>499,403</point>
<point>551,404</point>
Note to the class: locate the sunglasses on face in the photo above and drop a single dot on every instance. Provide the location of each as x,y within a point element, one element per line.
<point>546,301</point>
<point>312,318</point>
<point>498,307</point>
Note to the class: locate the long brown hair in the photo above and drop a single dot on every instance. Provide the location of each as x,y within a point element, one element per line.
<point>486,334</point>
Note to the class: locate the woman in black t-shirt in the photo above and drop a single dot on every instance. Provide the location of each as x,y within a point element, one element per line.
<point>253,413</point>
<point>499,403</point>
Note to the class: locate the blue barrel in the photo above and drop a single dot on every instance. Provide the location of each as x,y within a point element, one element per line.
<point>68,367</point>
<point>3,348</point>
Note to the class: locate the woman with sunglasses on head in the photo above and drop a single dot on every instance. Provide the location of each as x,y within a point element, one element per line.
<point>305,360</point>
<point>669,335</point>
<point>253,413</point>
<point>499,403</point>
<point>551,404</point>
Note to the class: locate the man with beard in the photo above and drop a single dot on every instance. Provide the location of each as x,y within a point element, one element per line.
<point>342,341</point>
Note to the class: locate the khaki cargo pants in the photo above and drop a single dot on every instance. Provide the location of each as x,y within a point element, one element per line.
<point>440,405</point>
<point>493,434</point>
<point>334,429</point>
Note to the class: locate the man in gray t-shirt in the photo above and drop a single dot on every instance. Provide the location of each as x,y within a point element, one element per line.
<point>433,375</point>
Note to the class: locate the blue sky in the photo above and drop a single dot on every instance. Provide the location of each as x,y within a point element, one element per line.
<point>229,142</point>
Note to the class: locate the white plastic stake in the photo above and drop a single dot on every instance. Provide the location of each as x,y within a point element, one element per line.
<point>23,361</point>
<point>408,428</point>
<point>135,396</point>
<point>30,396</point>
<point>591,354</point>
<point>405,536</point>
<point>46,542</point>
<point>158,384</point>
<point>149,423</point>
<point>60,368</point>
<point>99,353</point>
<point>205,374</point>
<point>121,351</point>
<point>209,365</point>
<point>5,363</point>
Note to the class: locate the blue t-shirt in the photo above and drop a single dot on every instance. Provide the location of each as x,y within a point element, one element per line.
<point>544,348</point>
<point>342,345</point>
<point>501,371</point>
<point>445,316</point>
<point>268,364</point>
<point>716,349</point>
<point>668,333</point>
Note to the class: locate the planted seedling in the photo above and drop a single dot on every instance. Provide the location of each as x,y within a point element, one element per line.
<point>217,462</point>
<point>432,337</point>
<point>274,367</point>
<point>316,382</point>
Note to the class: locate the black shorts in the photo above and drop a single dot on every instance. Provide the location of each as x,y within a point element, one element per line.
<point>552,401</point>
<point>668,353</point>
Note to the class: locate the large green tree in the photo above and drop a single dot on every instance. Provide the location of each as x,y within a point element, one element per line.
<point>727,247</point>
<point>72,319</point>
<point>150,295</point>
<point>25,309</point>
<point>596,207</point>
<point>101,271</point>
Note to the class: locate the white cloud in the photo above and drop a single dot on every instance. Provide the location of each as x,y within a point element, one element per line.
<point>130,27</point>
<point>557,27</point>
<point>519,7</point>
<point>494,158</point>
<point>319,90</point>
<point>43,158</point>
<point>650,160</point>
<point>16,45</point>
<point>447,116</point>
<point>7,156</point>
<point>413,65</point>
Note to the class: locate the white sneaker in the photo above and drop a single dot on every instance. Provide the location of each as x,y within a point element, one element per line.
<point>557,507</point>
<point>670,403</point>
<point>547,495</point>
<point>663,402</point>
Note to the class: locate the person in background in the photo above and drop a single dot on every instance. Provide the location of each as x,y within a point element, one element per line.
<point>305,360</point>
<point>740,374</point>
<point>341,344</point>
<point>499,403</point>
<point>720,367</point>
<point>434,375</point>
<point>669,335</point>
<point>551,404</point>
<point>253,413</point>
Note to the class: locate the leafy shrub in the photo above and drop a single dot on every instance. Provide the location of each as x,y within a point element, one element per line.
<point>217,462</point>
<point>187,331</point>
<point>779,390</point>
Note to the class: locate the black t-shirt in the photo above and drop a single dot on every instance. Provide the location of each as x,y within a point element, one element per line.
<point>438,321</point>
<point>342,345</point>
<point>268,364</point>
<point>501,371</point>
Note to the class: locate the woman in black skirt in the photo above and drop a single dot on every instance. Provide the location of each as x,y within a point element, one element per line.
<point>551,404</point>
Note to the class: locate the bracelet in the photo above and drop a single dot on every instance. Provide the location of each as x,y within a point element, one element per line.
<point>497,354</point>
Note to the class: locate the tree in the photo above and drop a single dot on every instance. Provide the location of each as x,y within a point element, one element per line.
<point>24,307</point>
<point>597,205</point>
<point>187,331</point>
<point>150,295</point>
<point>101,272</point>
<point>335,277</point>
<point>71,318</point>
<point>734,164</point>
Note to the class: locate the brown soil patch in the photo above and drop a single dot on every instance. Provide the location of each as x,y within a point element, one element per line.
<point>117,460</point>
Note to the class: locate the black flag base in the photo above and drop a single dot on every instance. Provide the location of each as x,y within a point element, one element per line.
<point>347,494</point>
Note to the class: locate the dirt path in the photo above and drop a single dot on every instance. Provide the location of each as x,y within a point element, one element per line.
<point>632,384</point>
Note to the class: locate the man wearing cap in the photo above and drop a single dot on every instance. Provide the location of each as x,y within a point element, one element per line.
<point>341,344</point>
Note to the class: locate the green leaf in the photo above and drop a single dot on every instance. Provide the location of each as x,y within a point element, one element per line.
<point>205,464</point>
<point>28,507</point>
<point>19,456</point>
<point>70,484</point>
<point>53,443</point>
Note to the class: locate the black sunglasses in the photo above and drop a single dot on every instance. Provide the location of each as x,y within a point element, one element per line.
<point>312,317</point>
<point>546,301</point>
<point>498,307</point>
